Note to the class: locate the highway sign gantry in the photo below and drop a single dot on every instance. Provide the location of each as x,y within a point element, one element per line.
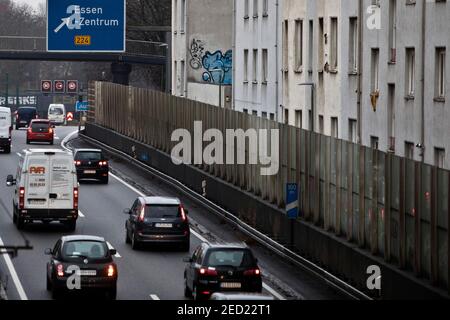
<point>86,25</point>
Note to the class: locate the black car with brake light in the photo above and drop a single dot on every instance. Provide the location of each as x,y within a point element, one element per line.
<point>221,268</point>
<point>88,257</point>
<point>157,220</point>
<point>91,164</point>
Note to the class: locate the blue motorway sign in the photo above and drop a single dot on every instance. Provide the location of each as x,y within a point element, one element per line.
<point>292,200</point>
<point>86,25</point>
<point>81,106</point>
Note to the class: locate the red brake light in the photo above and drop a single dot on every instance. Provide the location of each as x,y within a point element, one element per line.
<point>208,271</point>
<point>142,214</point>
<point>75,198</point>
<point>77,163</point>
<point>252,272</point>
<point>183,214</point>
<point>21,197</point>
<point>60,270</point>
<point>50,130</point>
<point>103,163</point>
<point>111,270</point>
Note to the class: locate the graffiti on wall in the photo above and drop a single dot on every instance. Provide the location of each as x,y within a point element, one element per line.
<point>196,51</point>
<point>217,65</point>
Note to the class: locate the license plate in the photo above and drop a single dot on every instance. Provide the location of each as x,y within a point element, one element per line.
<point>163,225</point>
<point>87,273</point>
<point>36,202</point>
<point>230,285</point>
<point>23,122</point>
<point>89,171</point>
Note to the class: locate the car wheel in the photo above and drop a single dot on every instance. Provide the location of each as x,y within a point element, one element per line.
<point>187,291</point>
<point>20,223</point>
<point>28,141</point>
<point>7,150</point>
<point>112,293</point>
<point>127,238</point>
<point>186,246</point>
<point>72,225</point>
<point>56,293</point>
<point>134,242</point>
<point>51,142</point>
<point>49,284</point>
<point>14,217</point>
<point>105,180</point>
<point>17,127</point>
<point>195,293</point>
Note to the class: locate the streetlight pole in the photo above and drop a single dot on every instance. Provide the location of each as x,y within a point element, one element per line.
<point>313,93</point>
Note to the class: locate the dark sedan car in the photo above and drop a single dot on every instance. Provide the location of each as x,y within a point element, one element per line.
<point>91,164</point>
<point>87,257</point>
<point>24,115</point>
<point>157,220</point>
<point>221,268</point>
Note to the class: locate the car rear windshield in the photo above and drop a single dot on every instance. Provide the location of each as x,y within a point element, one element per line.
<point>162,211</point>
<point>95,156</point>
<point>55,111</point>
<point>40,126</point>
<point>85,249</point>
<point>230,257</point>
<point>26,111</point>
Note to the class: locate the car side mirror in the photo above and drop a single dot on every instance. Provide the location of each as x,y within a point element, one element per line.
<point>10,181</point>
<point>187,260</point>
<point>48,252</point>
<point>53,126</point>
<point>112,252</point>
<point>127,211</point>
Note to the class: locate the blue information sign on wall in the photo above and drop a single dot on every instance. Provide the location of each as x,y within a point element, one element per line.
<point>81,106</point>
<point>86,25</point>
<point>292,200</point>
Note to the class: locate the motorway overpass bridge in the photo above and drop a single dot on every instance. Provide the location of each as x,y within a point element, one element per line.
<point>138,52</point>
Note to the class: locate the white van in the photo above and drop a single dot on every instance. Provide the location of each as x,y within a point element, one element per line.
<point>46,188</point>
<point>5,129</point>
<point>57,114</point>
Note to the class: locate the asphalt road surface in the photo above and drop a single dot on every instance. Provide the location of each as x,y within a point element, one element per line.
<point>143,275</point>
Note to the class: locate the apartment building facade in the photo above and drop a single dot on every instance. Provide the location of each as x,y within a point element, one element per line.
<point>257,75</point>
<point>202,55</point>
<point>391,51</point>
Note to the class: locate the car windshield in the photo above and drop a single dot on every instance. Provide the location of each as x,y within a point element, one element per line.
<point>56,111</point>
<point>85,249</point>
<point>230,257</point>
<point>162,211</point>
<point>84,155</point>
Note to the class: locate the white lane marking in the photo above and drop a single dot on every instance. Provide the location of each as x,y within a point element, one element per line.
<point>117,255</point>
<point>18,154</point>
<point>80,214</point>
<point>57,138</point>
<point>12,271</point>
<point>154,297</point>
<point>200,237</point>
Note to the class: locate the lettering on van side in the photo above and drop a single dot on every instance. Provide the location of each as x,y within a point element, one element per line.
<point>37,170</point>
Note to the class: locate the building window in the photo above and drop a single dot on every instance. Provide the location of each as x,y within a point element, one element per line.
<point>286,45</point>
<point>353,45</point>
<point>440,73</point>
<point>175,77</point>
<point>182,72</point>
<point>439,157</point>
<point>352,131</point>
<point>374,84</point>
<point>298,44</point>
<point>410,72</point>
<point>245,111</point>
<point>183,16</point>
<point>272,116</point>
<point>391,116</point>
<point>392,30</point>
<point>334,127</point>
<point>321,125</point>
<point>246,9</point>
<point>311,45</point>
<point>175,15</point>
<point>320,40</point>
<point>286,116</point>
<point>246,65</point>
<point>374,142</point>
<point>334,44</point>
<point>255,65</point>
<point>265,65</point>
<point>409,150</point>
<point>264,115</point>
<point>265,8</point>
<point>255,8</point>
<point>255,113</point>
<point>310,120</point>
<point>298,118</point>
